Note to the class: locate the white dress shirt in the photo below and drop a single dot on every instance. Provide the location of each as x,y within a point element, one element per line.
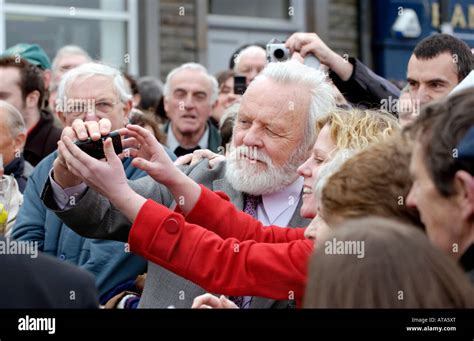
<point>277,208</point>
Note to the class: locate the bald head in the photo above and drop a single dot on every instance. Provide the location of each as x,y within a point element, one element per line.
<point>250,62</point>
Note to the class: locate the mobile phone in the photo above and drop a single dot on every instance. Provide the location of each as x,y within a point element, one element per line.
<point>240,85</point>
<point>96,148</point>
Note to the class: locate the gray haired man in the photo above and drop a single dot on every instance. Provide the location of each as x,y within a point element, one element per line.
<point>273,134</point>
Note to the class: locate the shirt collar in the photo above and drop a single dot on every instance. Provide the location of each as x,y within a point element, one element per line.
<point>278,202</point>
<point>173,143</point>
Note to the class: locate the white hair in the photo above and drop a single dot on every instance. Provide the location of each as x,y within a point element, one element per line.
<point>192,66</point>
<point>252,50</point>
<point>69,50</point>
<point>322,99</point>
<point>16,123</point>
<point>329,168</point>
<point>94,69</point>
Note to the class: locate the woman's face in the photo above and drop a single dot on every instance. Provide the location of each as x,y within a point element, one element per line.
<point>321,226</point>
<point>317,230</point>
<point>322,151</point>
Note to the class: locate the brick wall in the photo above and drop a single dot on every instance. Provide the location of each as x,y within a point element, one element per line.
<point>177,34</point>
<point>343,32</point>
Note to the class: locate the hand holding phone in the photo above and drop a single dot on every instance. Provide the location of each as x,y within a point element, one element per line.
<point>96,148</point>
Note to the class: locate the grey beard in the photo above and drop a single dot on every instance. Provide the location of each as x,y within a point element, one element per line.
<point>248,179</point>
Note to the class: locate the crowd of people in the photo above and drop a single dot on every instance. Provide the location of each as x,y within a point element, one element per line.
<point>315,188</point>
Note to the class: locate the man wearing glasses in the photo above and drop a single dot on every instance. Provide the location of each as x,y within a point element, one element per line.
<point>88,93</point>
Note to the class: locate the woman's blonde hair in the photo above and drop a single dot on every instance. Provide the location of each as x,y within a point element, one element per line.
<point>356,128</point>
<point>376,181</point>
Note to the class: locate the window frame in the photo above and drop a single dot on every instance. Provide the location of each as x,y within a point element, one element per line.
<point>129,17</point>
<point>295,22</point>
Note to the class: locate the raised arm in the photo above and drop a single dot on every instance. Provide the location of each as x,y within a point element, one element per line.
<point>216,213</point>
<point>108,178</point>
<point>91,214</point>
<point>226,266</point>
<point>197,202</point>
<point>355,81</point>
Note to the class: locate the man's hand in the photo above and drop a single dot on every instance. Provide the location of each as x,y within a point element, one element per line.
<point>209,301</point>
<point>198,155</point>
<point>79,130</point>
<point>107,178</point>
<point>310,43</point>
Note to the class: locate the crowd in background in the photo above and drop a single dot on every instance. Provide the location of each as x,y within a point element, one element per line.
<point>328,187</point>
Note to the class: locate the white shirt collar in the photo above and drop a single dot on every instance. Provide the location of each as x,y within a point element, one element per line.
<point>283,202</point>
<point>173,143</point>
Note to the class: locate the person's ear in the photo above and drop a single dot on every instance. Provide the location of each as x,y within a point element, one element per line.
<point>464,188</point>
<point>214,105</point>
<point>47,75</point>
<point>136,100</point>
<point>62,118</point>
<point>127,108</point>
<point>19,141</point>
<point>32,99</point>
<point>166,105</point>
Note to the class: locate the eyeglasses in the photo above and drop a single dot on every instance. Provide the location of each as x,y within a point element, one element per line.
<point>78,108</point>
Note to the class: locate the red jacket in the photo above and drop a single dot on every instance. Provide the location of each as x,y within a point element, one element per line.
<point>232,253</point>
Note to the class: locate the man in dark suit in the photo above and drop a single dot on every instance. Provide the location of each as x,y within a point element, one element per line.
<point>274,133</point>
<point>32,280</point>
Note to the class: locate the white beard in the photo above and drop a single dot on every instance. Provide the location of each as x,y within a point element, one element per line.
<point>245,176</point>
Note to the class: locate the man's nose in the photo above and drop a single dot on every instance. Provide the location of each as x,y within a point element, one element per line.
<point>252,138</point>
<point>90,115</point>
<point>423,95</point>
<point>231,98</point>
<point>189,101</point>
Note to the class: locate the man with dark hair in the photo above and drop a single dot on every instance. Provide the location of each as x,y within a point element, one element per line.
<point>438,63</point>
<point>22,86</point>
<point>443,182</point>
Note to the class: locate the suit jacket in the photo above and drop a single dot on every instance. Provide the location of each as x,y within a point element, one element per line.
<point>44,283</point>
<point>162,287</point>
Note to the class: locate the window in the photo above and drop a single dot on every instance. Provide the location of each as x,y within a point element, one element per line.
<point>97,4</point>
<point>106,29</point>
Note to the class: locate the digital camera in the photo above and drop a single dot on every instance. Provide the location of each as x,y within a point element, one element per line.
<point>278,52</point>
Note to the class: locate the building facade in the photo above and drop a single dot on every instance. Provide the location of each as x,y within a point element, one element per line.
<point>150,37</point>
